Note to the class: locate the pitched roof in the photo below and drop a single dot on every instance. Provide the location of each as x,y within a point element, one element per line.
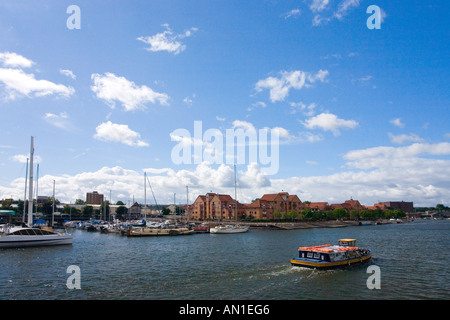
<point>269,196</point>
<point>294,197</point>
<point>318,205</point>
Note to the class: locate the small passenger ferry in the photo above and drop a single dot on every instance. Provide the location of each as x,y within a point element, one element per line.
<point>329,256</point>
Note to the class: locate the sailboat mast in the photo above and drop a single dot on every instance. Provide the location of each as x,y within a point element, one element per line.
<point>53,204</point>
<point>235,194</point>
<point>30,194</point>
<point>187,203</point>
<point>25,195</point>
<point>145,195</point>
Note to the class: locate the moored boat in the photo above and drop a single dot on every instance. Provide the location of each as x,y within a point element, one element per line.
<point>20,237</point>
<point>202,228</point>
<point>27,235</point>
<point>148,232</point>
<point>227,229</point>
<point>331,256</point>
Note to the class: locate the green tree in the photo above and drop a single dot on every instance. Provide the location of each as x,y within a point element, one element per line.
<point>366,214</point>
<point>47,206</point>
<point>88,211</point>
<point>330,214</point>
<point>71,210</point>
<point>277,214</point>
<point>307,214</point>
<point>378,213</point>
<point>319,215</point>
<point>291,215</point>
<point>6,204</point>
<point>339,213</point>
<point>354,214</point>
<point>121,212</point>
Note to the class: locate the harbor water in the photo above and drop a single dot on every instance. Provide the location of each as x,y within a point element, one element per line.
<point>412,259</point>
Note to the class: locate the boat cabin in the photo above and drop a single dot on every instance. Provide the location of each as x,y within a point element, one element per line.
<point>347,242</point>
<point>345,249</point>
<point>31,232</point>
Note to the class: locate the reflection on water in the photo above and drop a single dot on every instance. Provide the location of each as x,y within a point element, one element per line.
<point>413,259</point>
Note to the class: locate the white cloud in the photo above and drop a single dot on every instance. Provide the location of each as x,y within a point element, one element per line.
<point>402,138</point>
<point>318,5</point>
<point>376,174</point>
<point>344,7</point>
<point>245,125</point>
<point>397,122</point>
<point>112,132</point>
<point>318,20</point>
<point>292,13</point>
<point>60,120</point>
<point>12,59</point>
<point>410,151</point>
<point>113,88</point>
<point>18,84</point>
<point>342,10</point>
<point>329,122</point>
<point>189,100</point>
<point>255,105</point>
<point>279,87</point>
<point>307,110</point>
<point>67,73</point>
<point>167,41</point>
<point>23,158</point>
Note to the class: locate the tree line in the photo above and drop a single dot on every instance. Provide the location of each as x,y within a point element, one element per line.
<point>335,214</point>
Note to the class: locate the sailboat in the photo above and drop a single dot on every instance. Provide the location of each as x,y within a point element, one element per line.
<point>230,228</point>
<point>26,235</point>
<point>155,229</point>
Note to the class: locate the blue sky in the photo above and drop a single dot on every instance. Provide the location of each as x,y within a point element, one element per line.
<point>361,112</point>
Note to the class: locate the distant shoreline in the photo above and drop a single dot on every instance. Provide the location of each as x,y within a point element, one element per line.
<point>301,225</point>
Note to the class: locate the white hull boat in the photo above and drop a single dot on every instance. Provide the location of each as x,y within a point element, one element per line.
<point>21,237</point>
<point>228,229</point>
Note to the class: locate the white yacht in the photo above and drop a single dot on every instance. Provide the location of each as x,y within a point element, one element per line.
<point>19,237</point>
<point>25,236</point>
<point>229,229</point>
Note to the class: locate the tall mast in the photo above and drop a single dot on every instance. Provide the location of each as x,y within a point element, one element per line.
<point>30,194</point>
<point>53,204</point>
<point>25,195</point>
<point>37,183</point>
<point>235,195</point>
<point>187,203</point>
<point>145,195</point>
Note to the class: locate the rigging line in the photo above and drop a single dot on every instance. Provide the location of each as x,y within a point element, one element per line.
<point>151,189</point>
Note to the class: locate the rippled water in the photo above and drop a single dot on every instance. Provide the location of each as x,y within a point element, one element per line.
<point>413,260</point>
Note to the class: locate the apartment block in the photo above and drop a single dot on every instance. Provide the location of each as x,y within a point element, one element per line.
<point>265,207</point>
<point>216,206</point>
<point>94,198</point>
